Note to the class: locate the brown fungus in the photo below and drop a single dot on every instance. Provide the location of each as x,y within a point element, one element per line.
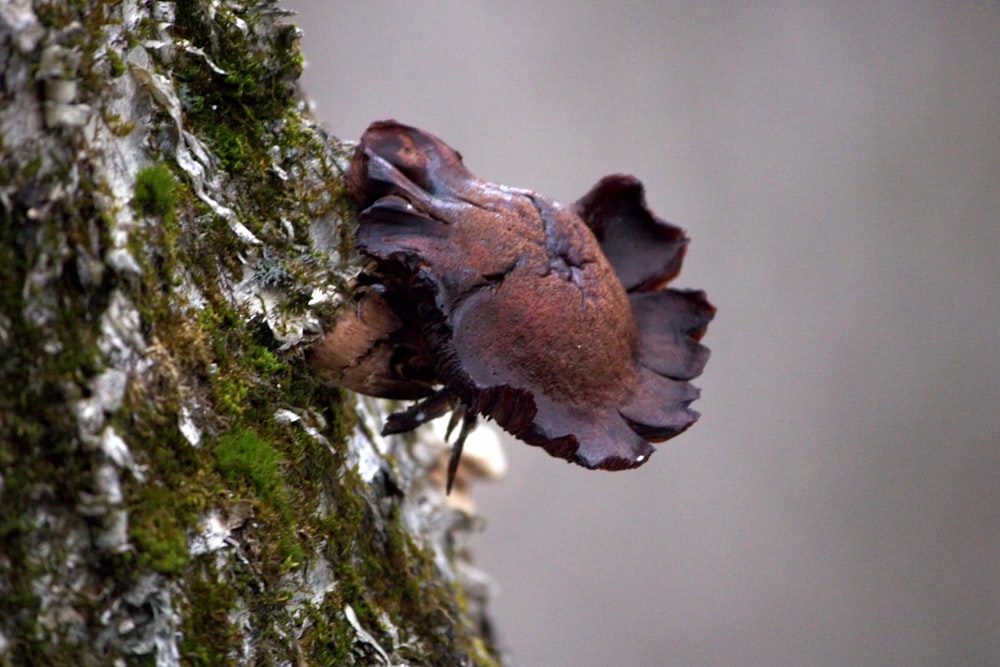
<point>491,300</point>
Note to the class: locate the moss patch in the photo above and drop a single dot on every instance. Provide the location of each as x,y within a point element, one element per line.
<point>243,458</point>
<point>209,637</point>
<point>155,191</point>
<point>159,531</point>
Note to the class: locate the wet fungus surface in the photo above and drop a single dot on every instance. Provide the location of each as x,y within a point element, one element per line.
<point>484,299</point>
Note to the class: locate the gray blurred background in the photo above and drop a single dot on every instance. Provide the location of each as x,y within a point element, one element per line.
<point>838,170</point>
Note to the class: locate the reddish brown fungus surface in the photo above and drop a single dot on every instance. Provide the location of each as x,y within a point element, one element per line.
<point>490,300</point>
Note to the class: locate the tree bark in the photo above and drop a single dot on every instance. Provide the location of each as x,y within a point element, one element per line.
<point>176,486</point>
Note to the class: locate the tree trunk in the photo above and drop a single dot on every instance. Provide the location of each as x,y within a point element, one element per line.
<point>176,486</point>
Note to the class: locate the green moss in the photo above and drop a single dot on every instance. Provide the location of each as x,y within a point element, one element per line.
<point>116,62</point>
<point>245,459</point>
<point>158,532</point>
<point>230,395</point>
<point>329,640</point>
<point>208,636</point>
<point>257,97</point>
<point>232,147</point>
<point>155,191</point>
<point>265,361</point>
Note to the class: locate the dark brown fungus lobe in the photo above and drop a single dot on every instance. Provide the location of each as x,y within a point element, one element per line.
<point>490,300</point>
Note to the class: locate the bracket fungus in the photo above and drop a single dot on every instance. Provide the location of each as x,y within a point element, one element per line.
<point>554,321</point>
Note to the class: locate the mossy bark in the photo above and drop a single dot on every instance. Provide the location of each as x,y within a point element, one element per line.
<point>176,486</point>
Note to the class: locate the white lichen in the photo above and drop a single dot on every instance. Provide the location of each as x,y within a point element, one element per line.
<point>364,635</point>
<point>188,428</point>
<point>213,535</point>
